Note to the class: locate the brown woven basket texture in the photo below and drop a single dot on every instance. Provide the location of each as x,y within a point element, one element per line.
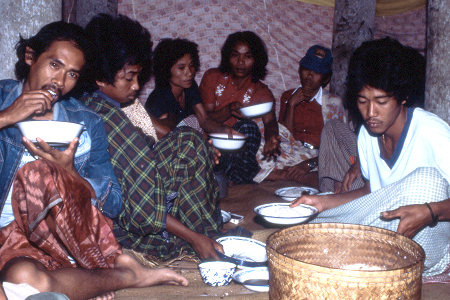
<point>343,261</point>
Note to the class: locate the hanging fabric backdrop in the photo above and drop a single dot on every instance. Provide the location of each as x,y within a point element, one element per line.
<point>288,27</point>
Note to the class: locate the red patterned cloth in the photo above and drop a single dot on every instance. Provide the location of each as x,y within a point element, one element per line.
<point>54,218</point>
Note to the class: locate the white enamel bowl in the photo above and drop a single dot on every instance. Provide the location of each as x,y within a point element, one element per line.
<point>217,273</point>
<point>293,192</point>
<point>223,142</point>
<point>242,251</point>
<point>55,133</point>
<point>282,214</point>
<point>257,109</point>
<point>255,279</point>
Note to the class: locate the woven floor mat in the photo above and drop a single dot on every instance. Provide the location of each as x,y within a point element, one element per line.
<point>197,289</point>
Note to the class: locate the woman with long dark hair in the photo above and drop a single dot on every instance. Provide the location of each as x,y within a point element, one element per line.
<point>176,95</point>
<point>236,83</point>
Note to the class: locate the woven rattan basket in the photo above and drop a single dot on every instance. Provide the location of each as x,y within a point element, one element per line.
<point>343,261</point>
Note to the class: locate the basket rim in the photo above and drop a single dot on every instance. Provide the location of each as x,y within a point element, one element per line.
<point>345,226</point>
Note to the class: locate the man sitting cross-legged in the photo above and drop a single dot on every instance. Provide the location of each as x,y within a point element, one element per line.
<point>403,155</point>
<point>53,234</point>
<point>169,192</point>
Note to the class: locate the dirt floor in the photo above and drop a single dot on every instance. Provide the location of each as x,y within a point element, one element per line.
<point>240,200</point>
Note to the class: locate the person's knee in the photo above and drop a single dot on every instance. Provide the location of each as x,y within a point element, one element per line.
<point>245,125</point>
<point>426,183</point>
<point>26,270</point>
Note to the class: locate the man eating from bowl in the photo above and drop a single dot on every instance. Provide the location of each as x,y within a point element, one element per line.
<point>54,235</point>
<point>403,156</point>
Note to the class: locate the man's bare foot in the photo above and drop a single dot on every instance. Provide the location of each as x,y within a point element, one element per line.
<point>144,277</point>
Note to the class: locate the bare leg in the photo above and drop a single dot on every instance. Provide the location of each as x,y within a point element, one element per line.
<point>79,283</point>
<point>2,293</point>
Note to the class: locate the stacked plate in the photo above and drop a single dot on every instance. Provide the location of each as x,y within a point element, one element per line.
<point>255,279</point>
<point>249,255</point>
<point>243,251</point>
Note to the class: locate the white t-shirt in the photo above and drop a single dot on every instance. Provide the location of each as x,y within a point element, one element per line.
<point>424,142</point>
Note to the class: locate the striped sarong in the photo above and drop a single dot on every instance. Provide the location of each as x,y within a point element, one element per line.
<point>337,147</point>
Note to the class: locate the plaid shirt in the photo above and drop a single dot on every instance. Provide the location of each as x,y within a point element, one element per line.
<point>179,165</point>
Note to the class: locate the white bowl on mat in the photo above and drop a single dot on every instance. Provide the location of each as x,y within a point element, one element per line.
<point>54,133</point>
<point>217,273</point>
<point>223,142</point>
<point>282,214</point>
<point>256,110</point>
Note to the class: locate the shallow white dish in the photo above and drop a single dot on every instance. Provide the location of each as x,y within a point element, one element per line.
<point>244,252</point>
<point>282,214</point>
<point>223,142</point>
<point>257,109</point>
<point>293,192</point>
<point>255,279</point>
<point>226,216</point>
<point>217,273</point>
<point>54,133</point>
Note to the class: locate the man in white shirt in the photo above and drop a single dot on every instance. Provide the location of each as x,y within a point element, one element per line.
<point>402,156</point>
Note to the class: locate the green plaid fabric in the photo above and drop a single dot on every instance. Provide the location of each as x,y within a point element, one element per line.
<point>173,176</point>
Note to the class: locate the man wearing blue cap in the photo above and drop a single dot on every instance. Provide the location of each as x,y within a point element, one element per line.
<point>304,111</point>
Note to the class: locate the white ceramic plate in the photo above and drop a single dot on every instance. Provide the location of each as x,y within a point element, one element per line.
<point>223,142</point>
<point>257,109</point>
<point>282,214</point>
<point>255,279</point>
<point>293,192</point>
<point>226,216</point>
<point>55,133</point>
<point>242,251</point>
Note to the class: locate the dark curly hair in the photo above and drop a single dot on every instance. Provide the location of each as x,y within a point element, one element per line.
<point>167,53</point>
<point>387,65</point>
<point>257,48</point>
<point>39,43</point>
<point>119,41</point>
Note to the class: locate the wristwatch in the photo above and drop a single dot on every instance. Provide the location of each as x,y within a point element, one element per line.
<point>312,165</point>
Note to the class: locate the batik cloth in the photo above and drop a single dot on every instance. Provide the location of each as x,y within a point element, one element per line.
<point>172,176</point>
<point>78,235</point>
<point>338,151</point>
<point>421,186</point>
